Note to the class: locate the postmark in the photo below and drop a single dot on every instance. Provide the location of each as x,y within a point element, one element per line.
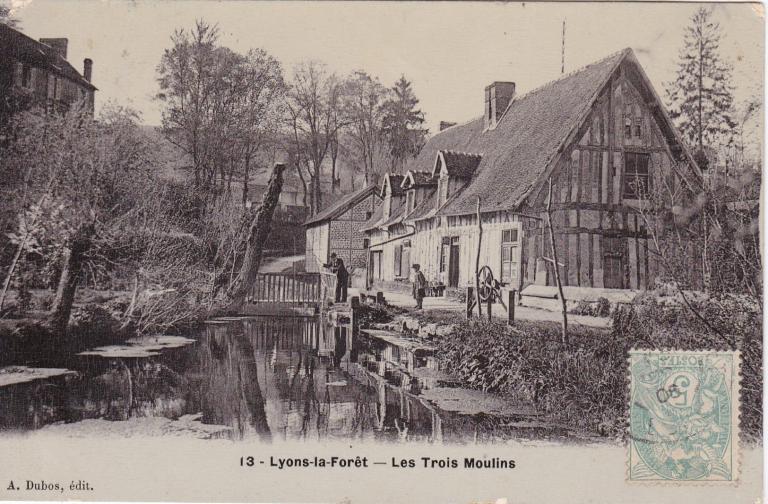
<point>683,416</point>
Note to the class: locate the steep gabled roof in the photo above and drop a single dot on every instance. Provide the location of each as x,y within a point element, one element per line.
<point>457,164</point>
<point>418,179</point>
<point>377,218</point>
<point>528,136</point>
<point>394,181</point>
<point>395,217</point>
<point>425,208</point>
<point>25,48</point>
<point>341,205</point>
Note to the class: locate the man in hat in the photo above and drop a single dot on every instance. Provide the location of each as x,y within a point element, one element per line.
<point>342,277</point>
<point>419,285</point>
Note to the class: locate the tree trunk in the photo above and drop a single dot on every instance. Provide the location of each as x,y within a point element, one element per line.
<point>258,234</point>
<point>246,175</point>
<point>316,203</point>
<point>701,92</point>
<point>12,268</point>
<point>556,265</point>
<point>70,273</point>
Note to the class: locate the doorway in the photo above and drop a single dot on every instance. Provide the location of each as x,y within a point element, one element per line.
<point>453,262</point>
<point>613,263</point>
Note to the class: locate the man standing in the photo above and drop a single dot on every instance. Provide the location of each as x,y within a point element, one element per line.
<point>337,267</point>
<point>419,285</point>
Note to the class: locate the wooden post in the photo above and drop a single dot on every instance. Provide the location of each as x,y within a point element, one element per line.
<point>511,306</point>
<point>489,304</point>
<point>477,259</point>
<point>470,299</point>
<point>556,265</point>
<point>354,305</point>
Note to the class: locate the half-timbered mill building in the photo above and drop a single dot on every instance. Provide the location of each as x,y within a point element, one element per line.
<point>599,134</point>
<point>39,71</point>
<point>338,229</point>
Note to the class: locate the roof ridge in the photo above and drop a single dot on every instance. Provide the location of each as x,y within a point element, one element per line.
<point>573,72</point>
<point>472,154</point>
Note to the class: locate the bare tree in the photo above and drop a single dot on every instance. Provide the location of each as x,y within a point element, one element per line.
<point>364,99</point>
<point>220,107</point>
<point>313,105</point>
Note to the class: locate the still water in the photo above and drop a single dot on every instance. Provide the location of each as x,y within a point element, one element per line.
<point>255,378</point>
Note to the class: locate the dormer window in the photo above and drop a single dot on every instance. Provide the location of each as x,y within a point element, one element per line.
<point>442,190</point>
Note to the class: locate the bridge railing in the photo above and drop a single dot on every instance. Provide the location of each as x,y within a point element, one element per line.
<point>293,288</point>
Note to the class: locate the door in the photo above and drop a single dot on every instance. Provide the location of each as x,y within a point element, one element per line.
<point>613,263</point>
<point>375,270</point>
<point>453,263</point>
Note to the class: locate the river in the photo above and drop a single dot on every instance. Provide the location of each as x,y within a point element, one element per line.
<point>265,378</point>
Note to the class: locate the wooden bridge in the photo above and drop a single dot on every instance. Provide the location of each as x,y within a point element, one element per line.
<point>293,288</point>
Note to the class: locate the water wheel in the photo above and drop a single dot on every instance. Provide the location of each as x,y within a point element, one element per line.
<point>485,283</point>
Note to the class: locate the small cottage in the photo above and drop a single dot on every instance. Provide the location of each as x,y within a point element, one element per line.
<point>338,229</point>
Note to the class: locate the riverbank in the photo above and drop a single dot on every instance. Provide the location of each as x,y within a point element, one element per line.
<point>582,383</point>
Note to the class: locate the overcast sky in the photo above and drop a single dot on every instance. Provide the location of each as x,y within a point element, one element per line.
<point>449,51</point>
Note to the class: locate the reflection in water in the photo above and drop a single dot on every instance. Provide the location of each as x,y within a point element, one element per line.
<point>262,377</point>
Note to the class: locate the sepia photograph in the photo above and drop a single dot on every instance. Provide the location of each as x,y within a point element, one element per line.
<point>381,248</point>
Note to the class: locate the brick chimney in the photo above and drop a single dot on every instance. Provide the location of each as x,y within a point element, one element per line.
<point>88,69</point>
<point>497,97</point>
<point>445,125</point>
<point>58,44</point>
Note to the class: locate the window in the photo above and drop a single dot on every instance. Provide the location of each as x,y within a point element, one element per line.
<point>410,200</point>
<point>442,190</point>
<point>509,244</point>
<point>366,243</point>
<point>368,215</point>
<point>627,127</point>
<point>26,76</point>
<point>445,248</point>
<point>398,261</point>
<point>638,127</point>
<point>637,181</point>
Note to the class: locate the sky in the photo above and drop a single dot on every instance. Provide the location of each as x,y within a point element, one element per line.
<point>450,51</point>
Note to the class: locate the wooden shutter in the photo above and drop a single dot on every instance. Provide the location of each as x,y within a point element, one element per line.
<point>398,260</point>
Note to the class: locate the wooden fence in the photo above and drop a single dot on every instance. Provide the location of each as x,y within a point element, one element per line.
<point>293,288</point>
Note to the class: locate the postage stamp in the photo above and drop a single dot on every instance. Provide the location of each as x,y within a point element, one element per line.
<point>683,416</point>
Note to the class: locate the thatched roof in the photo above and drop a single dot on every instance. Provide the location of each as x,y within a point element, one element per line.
<point>511,157</point>
<point>418,179</point>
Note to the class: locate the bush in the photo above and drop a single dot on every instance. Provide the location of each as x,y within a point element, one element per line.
<point>23,299</point>
<point>368,314</point>
<point>599,308</point>
<point>584,385</point>
<point>43,301</point>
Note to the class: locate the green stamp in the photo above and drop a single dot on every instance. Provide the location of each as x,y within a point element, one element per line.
<point>683,416</point>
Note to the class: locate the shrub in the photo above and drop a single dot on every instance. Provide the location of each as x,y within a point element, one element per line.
<point>599,308</point>
<point>368,314</point>
<point>23,299</point>
<point>43,301</point>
